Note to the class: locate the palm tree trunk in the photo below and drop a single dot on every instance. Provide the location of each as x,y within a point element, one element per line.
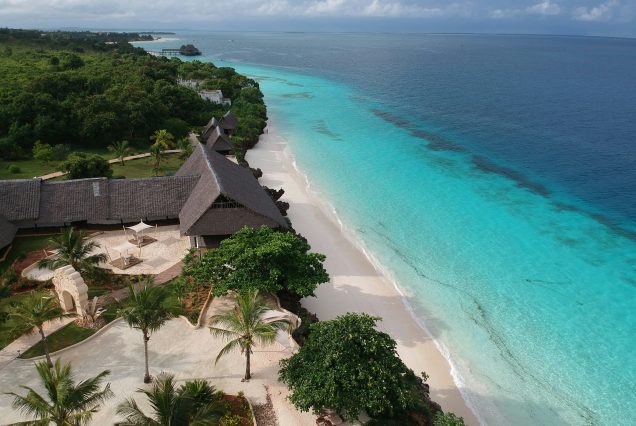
<point>247,364</point>
<point>46,347</point>
<point>147,378</point>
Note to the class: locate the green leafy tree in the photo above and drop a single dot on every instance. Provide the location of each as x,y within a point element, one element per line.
<point>43,152</point>
<point>349,366</point>
<point>32,313</point>
<point>147,310</point>
<point>448,419</point>
<point>120,150</point>
<point>66,402</point>
<point>262,259</point>
<point>73,248</point>
<point>245,327</point>
<point>193,403</point>
<point>82,166</point>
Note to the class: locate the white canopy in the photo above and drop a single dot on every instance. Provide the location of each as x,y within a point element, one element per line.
<point>141,226</point>
<point>124,247</point>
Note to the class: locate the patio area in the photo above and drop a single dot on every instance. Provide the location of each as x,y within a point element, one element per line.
<point>153,257</point>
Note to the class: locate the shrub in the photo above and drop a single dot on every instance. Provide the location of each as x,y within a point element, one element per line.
<point>349,366</point>
<point>14,169</point>
<point>233,420</point>
<point>448,419</point>
<point>81,166</point>
<point>61,151</point>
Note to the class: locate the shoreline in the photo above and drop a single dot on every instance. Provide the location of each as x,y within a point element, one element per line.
<point>355,271</point>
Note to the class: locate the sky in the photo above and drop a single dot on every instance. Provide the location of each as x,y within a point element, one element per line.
<point>577,17</point>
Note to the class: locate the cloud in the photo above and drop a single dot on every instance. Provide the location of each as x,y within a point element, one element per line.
<point>168,10</point>
<point>544,8</point>
<point>602,12</point>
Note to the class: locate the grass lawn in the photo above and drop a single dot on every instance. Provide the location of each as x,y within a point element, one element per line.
<point>62,338</point>
<point>22,246</point>
<point>67,336</point>
<point>32,168</point>
<point>142,167</point>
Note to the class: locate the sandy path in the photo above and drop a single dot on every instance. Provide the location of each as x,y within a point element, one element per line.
<point>355,284</point>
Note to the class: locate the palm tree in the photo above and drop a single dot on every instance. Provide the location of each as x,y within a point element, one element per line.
<point>186,147</point>
<point>73,249</point>
<point>193,403</point>
<point>244,327</point>
<point>68,403</point>
<point>163,139</point>
<point>148,309</point>
<point>156,153</point>
<point>31,314</point>
<point>121,149</point>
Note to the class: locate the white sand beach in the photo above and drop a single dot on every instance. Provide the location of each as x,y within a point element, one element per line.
<point>356,285</point>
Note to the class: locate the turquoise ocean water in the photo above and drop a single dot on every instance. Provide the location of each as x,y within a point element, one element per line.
<point>532,295</point>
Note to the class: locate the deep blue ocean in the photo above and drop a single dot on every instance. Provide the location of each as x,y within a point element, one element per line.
<point>494,178</point>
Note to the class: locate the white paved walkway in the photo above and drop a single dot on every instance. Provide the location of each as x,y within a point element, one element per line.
<point>176,348</point>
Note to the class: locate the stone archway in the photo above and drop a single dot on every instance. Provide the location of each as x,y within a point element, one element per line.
<point>71,290</point>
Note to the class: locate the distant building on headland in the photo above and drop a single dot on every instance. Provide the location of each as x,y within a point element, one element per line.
<point>189,50</point>
<point>215,96</point>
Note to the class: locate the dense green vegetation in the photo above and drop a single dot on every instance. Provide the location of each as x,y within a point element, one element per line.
<point>74,89</point>
<point>348,365</point>
<point>261,259</point>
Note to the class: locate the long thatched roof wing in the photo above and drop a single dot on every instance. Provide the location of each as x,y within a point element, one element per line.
<point>73,200</point>
<point>220,176</point>
<point>7,232</point>
<point>20,199</point>
<point>159,197</point>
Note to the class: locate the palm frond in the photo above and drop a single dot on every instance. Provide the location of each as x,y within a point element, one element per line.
<point>231,346</point>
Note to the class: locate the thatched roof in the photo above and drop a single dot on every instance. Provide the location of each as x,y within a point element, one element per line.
<point>221,178</point>
<point>229,122</point>
<point>72,201</point>
<point>212,124</point>
<point>210,195</point>
<point>218,141</point>
<point>160,197</point>
<point>7,232</point>
<point>20,199</point>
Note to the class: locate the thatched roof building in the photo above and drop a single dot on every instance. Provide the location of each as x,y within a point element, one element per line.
<point>229,123</point>
<point>219,141</point>
<point>212,124</point>
<point>210,195</point>
<point>226,198</point>
<point>189,50</point>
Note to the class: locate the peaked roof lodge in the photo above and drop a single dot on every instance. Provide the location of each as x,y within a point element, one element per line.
<point>210,196</point>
